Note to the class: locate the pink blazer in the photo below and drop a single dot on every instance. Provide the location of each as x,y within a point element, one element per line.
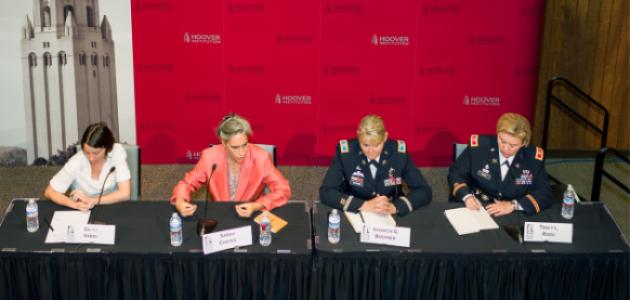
<point>257,171</point>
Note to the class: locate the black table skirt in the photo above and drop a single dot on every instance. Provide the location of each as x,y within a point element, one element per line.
<point>143,265</point>
<point>487,265</point>
<point>132,276</point>
<point>476,276</point>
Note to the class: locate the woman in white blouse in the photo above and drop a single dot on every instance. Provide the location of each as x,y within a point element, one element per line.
<point>85,173</point>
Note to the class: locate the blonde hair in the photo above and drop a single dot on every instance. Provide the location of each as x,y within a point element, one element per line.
<point>232,125</point>
<point>515,125</point>
<point>372,128</point>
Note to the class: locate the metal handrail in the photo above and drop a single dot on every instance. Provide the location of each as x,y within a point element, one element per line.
<point>603,131</point>
<point>550,97</point>
<point>599,171</point>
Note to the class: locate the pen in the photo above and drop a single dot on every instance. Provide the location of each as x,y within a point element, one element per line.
<point>48,223</point>
<point>362,219</point>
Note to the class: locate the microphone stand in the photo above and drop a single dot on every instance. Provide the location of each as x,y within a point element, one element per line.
<point>205,225</point>
<point>98,203</point>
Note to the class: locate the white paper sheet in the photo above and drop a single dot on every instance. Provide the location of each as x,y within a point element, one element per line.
<point>467,221</point>
<point>369,218</point>
<point>60,222</point>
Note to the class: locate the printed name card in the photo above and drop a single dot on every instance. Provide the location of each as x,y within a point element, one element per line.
<point>226,239</point>
<point>386,235</point>
<point>548,232</point>
<point>90,234</point>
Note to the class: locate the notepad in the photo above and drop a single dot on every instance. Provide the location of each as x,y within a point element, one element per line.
<point>277,223</point>
<point>358,219</point>
<point>466,221</point>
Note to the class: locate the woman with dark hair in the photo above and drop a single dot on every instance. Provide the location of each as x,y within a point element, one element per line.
<point>85,173</point>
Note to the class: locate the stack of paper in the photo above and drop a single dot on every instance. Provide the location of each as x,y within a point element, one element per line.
<point>358,219</point>
<point>467,221</point>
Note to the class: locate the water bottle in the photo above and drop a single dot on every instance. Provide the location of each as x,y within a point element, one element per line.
<point>32,216</point>
<point>568,204</point>
<point>334,227</point>
<point>265,231</point>
<point>177,236</point>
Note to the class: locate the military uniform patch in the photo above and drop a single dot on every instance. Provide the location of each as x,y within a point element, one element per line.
<point>343,146</point>
<point>474,140</point>
<point>357,178</point>
<point>392,179</point>
<point>485,172</point>
<point>402,147</point>
<point>526,178</point>
<point>540,153</point>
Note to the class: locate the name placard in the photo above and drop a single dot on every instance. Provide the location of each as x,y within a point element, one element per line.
<point>386,235</point>
<point>226,239</point>
<point>90,234</point>
<point>548,232</point>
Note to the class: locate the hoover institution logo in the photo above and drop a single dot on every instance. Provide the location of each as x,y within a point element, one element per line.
<point>482,101</point>
<point>202,38</point>
<point>390,40</point>
<point>293,99</point>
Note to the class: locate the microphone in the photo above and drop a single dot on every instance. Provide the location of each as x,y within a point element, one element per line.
<point>395,184</point>
<point>98,203</point>
<point>205,225</point>
<point>205,210</point>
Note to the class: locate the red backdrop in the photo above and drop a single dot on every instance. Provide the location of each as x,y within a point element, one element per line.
<point>305,72</point>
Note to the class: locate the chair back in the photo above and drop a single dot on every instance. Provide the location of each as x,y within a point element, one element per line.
<point>458,149</point>
<point>271,149</point>
<point>133,161</point>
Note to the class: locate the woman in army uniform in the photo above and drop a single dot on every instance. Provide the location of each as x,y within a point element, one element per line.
<point>502,171</point>
<point>367,174</point>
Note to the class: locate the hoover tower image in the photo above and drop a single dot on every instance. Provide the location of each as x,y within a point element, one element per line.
<point>69,74</point>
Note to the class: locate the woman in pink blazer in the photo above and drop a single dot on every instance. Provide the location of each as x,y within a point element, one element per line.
<point>240,171</point>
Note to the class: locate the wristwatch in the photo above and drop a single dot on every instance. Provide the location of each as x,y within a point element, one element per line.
<point>515,205</point>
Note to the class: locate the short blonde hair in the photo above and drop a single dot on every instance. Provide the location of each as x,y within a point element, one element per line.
<point>372,128</point>
<point>231,125</point>
<point>515,125</point>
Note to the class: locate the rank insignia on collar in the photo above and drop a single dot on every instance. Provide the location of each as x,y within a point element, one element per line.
<point>402,147</point>
<point>474,140</point>
<point>343,146</point>
<point>540,153</point>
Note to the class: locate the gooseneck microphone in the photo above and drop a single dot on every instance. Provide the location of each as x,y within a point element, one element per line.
<point>205,225</point>
<point>205,210</point>
<point>98,203</point>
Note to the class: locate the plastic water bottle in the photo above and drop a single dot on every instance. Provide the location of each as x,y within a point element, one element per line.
<point>568,204</point>
<point>265,231</point>
<point>32,216</point>
<point>334,227</point>
<point>177,236</point>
